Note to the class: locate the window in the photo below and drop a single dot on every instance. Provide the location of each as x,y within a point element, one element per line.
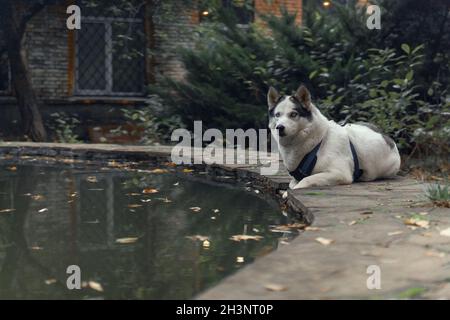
<point>110,58</point>
<point>5,75</point>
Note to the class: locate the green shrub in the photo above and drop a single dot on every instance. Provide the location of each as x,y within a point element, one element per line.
<point>352,76</point>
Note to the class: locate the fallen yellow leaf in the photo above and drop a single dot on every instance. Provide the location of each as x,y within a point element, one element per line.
<point>313,229</point>
<point>198,237</point>
<point>324,241</point>
<point>188,170</point>
<point>126,240</point>
<point>150,190</point>
<point>240,237</point>
<point>92,179</point>
<point>159,170</point>
<point>50,281</point>
<point>206,244</point>
<point>445,232</point>
<point>134,205</point>
<point>7,210</point>
<point>394,233</point>
<point>95,286</point>
<point>275,287</point>
<point>417,222</point>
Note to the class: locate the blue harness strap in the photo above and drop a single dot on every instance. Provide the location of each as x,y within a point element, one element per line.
<point>306,166</point>
<point>357,172</point>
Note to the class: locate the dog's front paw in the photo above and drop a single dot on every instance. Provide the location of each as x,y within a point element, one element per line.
<point>300,185</point>
<point>293,183</point>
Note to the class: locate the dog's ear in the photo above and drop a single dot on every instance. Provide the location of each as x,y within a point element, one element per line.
<point>302,94</point>
<point>272,97</point>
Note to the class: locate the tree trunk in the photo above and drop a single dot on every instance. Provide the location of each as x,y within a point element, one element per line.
<point>26,99</point>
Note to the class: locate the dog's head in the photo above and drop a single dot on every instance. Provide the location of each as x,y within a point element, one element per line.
<point>288,115</point>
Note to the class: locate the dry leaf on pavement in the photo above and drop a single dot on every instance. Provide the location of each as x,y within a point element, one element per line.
<point>324,241</point>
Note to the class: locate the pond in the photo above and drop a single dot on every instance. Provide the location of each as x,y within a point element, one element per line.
<point>135,234</point>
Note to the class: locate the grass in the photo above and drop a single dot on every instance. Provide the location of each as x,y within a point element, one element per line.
<point>439,194</point>
<point>412,293</point>
<point>314,193</point>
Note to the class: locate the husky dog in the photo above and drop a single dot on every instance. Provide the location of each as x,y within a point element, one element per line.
<point>319,152</point>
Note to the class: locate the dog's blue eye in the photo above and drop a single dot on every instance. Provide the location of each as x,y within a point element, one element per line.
<point>293,114</point>
<point>277,114</point>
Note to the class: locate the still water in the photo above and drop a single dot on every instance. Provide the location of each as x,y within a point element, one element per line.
<point>134,235</point>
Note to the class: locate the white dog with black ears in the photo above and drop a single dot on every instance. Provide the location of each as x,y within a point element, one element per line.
<point>319,152</point>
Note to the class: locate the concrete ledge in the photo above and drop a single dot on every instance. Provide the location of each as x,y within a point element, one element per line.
<point>364,223</point>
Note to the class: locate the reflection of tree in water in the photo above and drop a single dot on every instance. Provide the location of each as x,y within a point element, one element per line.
<point>85,219</point>
<point>20,269</point>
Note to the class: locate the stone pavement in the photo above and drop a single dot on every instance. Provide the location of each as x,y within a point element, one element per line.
<point>352,227</point>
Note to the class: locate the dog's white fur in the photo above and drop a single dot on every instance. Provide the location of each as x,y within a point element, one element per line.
<point>378,155</point>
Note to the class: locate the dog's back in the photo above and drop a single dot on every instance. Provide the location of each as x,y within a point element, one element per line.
<point>379,156</point>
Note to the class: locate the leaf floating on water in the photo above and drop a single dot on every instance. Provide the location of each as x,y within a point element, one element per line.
<point>275,287</point>
<point>240,259</point>
<point>43,210</point>
<point>158,170</point>
<point>12,168</point>
<point>94,286</point>
<point>188,170</point>
<point>195,209</point>
<point>37,197</point>
<point>150,191</point>
<point>417,223</point>
<point>134,206</point>
<point>206,244</point>
<point>288,227</point>
<point>126,240</point>
<point>50,281</point>
<point>133,194</point>
<point>198,237</point>
<point>36,248</point>
<point>7,210</point>
<point>324,241</point>
<point>92,179</point>
<point>165,200</point>
<point>216,210</point>
<point>146,200</point>
<point>240,237</point>
<point>176,184</point>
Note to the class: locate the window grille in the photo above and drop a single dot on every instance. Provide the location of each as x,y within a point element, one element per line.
<point>110,56</point>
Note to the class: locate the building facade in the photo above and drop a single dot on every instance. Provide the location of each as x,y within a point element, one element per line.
<point>111,61</point>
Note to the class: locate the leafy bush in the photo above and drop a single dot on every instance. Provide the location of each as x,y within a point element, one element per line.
<point>351,74</point>
<point>152,128</point>
<point>63,127</point>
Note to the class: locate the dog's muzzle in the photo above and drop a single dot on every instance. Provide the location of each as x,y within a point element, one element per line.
<point>281,130</point>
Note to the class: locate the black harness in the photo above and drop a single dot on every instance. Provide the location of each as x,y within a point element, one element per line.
<point>307,164</point>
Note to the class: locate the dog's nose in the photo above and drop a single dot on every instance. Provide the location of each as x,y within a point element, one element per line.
<point>280,128</point>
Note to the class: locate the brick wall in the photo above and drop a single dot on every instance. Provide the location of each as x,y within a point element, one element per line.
<point>273,6</point>
<point>45,48</point>
<point>170,36</point>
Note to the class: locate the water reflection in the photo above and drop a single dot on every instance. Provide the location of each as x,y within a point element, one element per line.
<point>72,216</point>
